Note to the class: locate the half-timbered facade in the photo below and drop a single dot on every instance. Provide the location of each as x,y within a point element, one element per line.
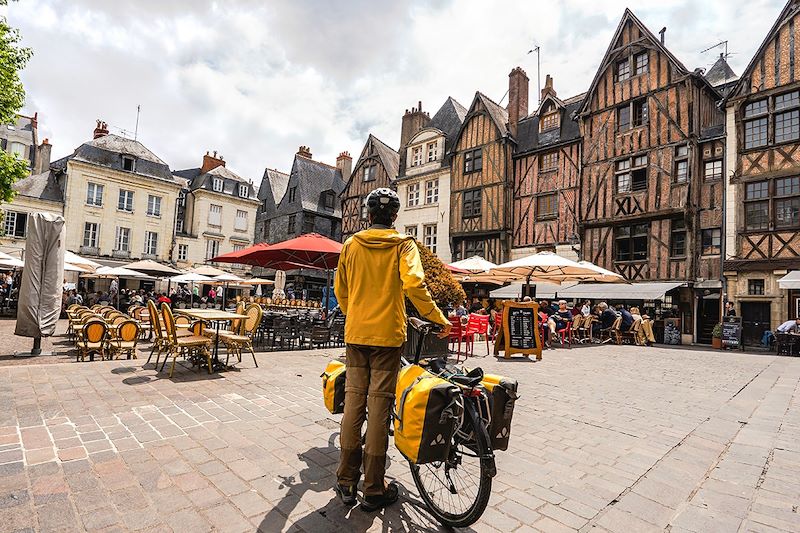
<point>480,184</point>
<point>547,165</point>
<point>651,186</point>
<point>763,192</point>
<point>377,166</point>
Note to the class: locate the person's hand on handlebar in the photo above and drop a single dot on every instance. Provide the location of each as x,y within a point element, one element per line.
<point>444,331</point>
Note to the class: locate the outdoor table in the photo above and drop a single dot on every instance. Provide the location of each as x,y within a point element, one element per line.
<point>213,315</point>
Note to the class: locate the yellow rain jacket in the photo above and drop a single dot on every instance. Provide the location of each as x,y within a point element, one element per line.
<point>377,268</point>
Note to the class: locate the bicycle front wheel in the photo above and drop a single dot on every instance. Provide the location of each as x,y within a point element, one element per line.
<point>457,491</point>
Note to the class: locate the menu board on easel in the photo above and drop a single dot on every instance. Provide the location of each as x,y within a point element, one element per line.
<point>520,331</point>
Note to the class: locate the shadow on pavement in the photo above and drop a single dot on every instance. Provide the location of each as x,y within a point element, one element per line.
<point>407,515</point>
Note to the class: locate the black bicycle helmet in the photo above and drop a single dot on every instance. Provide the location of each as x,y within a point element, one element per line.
<point>382,201</point>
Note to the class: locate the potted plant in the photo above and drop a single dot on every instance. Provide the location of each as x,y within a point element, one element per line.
<point>716,336</point>
<point>445,290</point>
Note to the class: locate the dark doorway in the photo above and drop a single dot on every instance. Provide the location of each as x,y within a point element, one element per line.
<point>707,316</point>
<point>755,321</point>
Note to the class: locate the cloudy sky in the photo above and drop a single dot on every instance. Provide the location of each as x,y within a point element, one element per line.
<point>254,79</point>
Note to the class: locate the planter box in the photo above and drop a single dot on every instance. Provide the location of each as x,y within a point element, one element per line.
<point>432,347</point>
<point>716,343</point>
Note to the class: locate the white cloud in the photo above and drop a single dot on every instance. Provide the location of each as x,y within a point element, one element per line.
<point>255,80</point>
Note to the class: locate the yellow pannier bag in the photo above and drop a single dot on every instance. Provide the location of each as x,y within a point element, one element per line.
<point>502,396</point>
<point>333,387</point>
<point>428,410</point>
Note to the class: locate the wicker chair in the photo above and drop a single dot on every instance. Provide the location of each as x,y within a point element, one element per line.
<point>124,338</point>
<point>192,346</point>
<point>159,341</point>
<point>237,341</point>
<point>92,339</point>
<point>612,333</point>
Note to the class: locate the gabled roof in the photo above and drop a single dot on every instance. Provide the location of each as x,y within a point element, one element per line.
<point>529,138</point>
<point>43,186</point>
<point>388,155</point>
<point>312,179</point>
<point>107,150</point>
<point>497,113</point>
<point>788,11</point>
<point>230,181</point>
<point>628,16</point>
<point>720,73</point>
<point>272,189</point>
<point>448,120</point>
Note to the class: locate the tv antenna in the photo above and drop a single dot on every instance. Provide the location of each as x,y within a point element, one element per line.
<point>136,131</point>
<point>538,50</point>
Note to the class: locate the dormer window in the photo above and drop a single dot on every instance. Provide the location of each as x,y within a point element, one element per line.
<point>433,151</point>
<point>328,200</point>
<point>128,163</point>
<point>292,194</point>
<point>549,120</point>
<point>217,185</point>
<point>416,156</point>
<point>244,191</point>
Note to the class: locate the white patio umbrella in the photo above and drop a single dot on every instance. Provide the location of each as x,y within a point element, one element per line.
<point>86,264</point>
<point>225,279</point>
<point>68,267</point>
<point>191,278</point>
<point>9,262</point>
<point>474,264</point>
<point>105,272</point>
<point>208,270</point>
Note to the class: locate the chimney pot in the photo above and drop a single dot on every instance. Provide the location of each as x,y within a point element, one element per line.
<point>210,162</point>
<point>517,98</point>
<point>100,130</point>
<point>345,164</point>
<point>304,151</point>
<point>662,32</point>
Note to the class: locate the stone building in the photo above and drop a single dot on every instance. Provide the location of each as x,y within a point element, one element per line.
<point>762,243</point>
<point>305,201</point>
<point>423,183</point>
<point>119,199</point>
<point>22,139</point>
<point>216,212</point>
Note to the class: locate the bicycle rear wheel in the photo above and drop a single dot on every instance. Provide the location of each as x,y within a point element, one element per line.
<point>457,491</point>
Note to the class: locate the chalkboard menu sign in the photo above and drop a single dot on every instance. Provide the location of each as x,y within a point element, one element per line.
<point>732,331</point>
<point>520,331</point>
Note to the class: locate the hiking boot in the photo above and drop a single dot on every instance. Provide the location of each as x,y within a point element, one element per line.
<point>346,493</point>
<point>379,501</point>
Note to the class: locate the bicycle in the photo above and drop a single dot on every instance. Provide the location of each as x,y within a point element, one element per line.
<point>448,488</point>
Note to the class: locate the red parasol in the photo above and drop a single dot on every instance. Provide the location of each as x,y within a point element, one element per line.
<point>306,251</point>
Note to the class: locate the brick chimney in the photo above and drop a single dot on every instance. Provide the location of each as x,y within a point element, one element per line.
<point>304,151</point>
<point>548,87</point>
<point>43,157</point>
<point>100,130</point>
<point>413,121</point>
<point>517,98</point>
<point>345,164</point>
<point>210,162</point>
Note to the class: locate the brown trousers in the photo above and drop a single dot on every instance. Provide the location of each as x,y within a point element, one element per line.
<point>370,385</point>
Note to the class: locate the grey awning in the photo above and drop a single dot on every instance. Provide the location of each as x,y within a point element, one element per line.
<point>543,290</point>
<point>646,290</point>
<point>790,280</point>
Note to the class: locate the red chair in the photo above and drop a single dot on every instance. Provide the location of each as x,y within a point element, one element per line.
<point>544,330</point>
<point>477,325</point>
<point>565,333</point>
<point>456,334</point>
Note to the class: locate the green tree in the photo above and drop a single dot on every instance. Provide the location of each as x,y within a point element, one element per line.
<point>12,95</point>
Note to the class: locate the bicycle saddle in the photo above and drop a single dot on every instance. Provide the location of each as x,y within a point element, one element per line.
<point>470,379</point>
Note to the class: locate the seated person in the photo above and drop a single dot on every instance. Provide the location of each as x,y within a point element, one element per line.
<point>461,310</point>
<point>790,326</point>
<point>560,319</point>
<point>475,306</point>
<point>607,317</point>
<point>646,331</point>
<point>627,319</point>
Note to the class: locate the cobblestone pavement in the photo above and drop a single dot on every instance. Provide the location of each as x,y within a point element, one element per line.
<point>604,438</point>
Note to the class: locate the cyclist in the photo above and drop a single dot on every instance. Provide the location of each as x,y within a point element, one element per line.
<point>378,268</point>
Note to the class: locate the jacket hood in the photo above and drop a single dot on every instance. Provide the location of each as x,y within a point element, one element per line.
<point>380,238</point>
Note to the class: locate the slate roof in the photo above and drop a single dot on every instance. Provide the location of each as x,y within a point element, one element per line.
<point>43,186</point>
<point>312,179</point>
<point>106,151</point>
<point>720,73</point>
<point>272,189</point>
<point>449,119</point>
<point>389,157</point>
<point>230,181</point>
<point>498,113</point>
<point>529,139</point>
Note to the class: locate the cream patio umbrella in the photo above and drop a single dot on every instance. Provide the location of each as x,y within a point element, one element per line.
<point>474,264</point>
<point>105,272</point>
<point>191,278</point>
<point>86,264</point>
